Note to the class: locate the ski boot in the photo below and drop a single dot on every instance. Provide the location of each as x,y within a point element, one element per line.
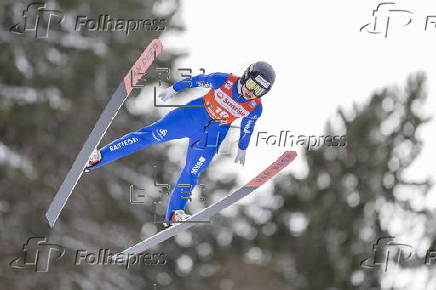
<point>93,159</point>
<point>178,216</point>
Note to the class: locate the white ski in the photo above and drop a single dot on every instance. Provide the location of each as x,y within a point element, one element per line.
<point>124,89</point>
<point>207,213</point>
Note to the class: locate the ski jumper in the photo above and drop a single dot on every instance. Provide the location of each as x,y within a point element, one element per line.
<point>206,127</point>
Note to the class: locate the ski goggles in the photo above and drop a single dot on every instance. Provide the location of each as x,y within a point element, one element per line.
<point>254,87</point>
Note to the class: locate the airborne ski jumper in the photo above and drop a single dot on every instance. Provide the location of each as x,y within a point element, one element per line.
<point>206,125</point>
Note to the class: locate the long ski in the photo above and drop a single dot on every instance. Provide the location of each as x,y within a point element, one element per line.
<point>126,86</point>
<point>212,210</point>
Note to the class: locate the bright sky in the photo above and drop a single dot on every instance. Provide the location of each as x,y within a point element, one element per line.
<point>319,56</point>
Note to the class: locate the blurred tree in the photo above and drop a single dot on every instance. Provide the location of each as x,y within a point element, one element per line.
<point>52,92</point>
<point>316,230</point>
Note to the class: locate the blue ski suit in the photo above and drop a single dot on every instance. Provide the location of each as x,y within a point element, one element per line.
<point>204,132</point>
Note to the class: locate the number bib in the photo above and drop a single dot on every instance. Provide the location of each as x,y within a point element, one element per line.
<point>222,107</point>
